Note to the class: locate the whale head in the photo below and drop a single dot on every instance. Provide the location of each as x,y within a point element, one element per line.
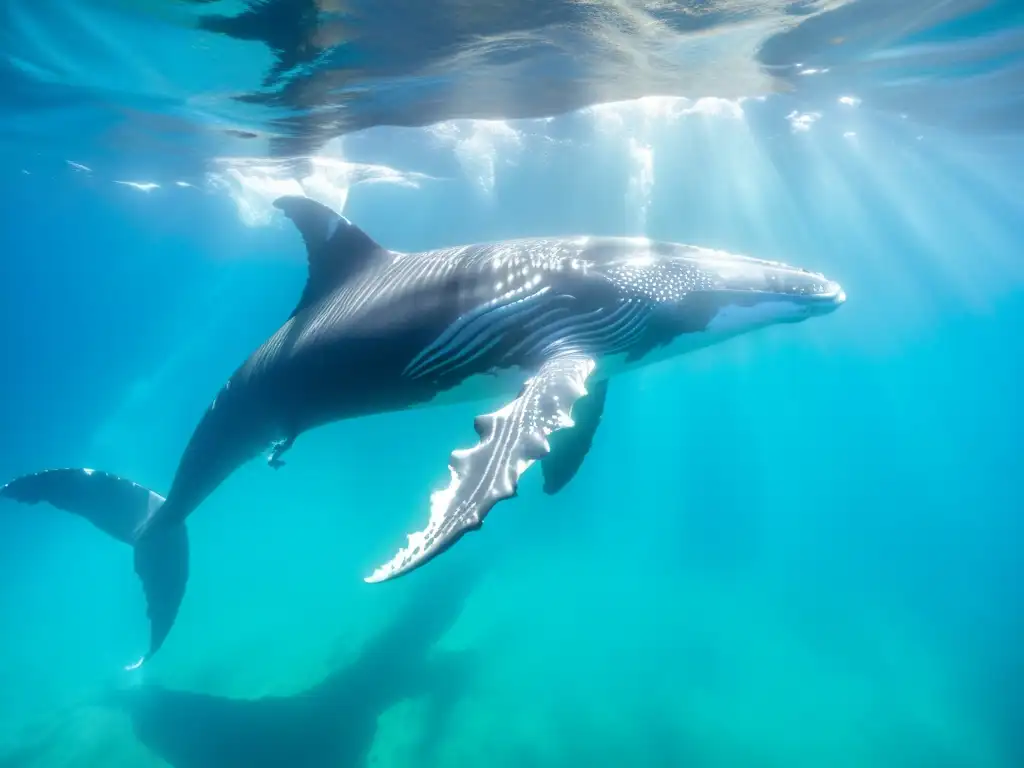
<point>702,296</point>
<point>740,293</point>
<point>727,288</point>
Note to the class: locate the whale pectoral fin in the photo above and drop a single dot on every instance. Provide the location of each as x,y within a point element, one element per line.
<point>511,439</point>
<point>569,447</point>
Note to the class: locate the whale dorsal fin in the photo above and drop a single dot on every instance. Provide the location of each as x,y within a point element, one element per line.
<point>335,247</point>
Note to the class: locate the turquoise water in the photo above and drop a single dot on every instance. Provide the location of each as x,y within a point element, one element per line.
<point>800,548</point>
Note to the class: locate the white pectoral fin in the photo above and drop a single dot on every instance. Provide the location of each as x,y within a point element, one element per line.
<point>511,439</point>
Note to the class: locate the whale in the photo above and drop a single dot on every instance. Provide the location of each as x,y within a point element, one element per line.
<point>540,324</point>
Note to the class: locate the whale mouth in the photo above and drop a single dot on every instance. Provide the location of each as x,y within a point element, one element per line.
<point>828,300</point>
<point>835,292</point>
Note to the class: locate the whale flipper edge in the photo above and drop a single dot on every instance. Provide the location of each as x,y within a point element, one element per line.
<point>336,248</point>
<point>569,447</point>
<point>511,439</point>
<point>118,506</point>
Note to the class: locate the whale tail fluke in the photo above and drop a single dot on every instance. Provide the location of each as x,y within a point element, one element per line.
<point>119,507</point>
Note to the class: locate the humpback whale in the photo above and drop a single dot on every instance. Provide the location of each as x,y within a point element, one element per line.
<point>542,322</point>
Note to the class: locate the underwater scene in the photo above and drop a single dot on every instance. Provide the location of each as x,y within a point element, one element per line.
<point>512,384</point>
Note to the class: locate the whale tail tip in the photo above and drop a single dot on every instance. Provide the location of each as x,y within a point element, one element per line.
<point>120,507</point>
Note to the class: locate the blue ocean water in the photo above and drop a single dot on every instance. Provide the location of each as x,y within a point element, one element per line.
<point>799,548</point>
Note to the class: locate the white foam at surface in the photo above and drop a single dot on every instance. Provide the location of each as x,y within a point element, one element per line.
<point>641,179</point>
<point>663,108</point>
<point>254,183</point>
<point>802,122</point>
<point>635,123</point>
<point>142,186</point>
<point>477,143</point>
<point>482,148</point>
